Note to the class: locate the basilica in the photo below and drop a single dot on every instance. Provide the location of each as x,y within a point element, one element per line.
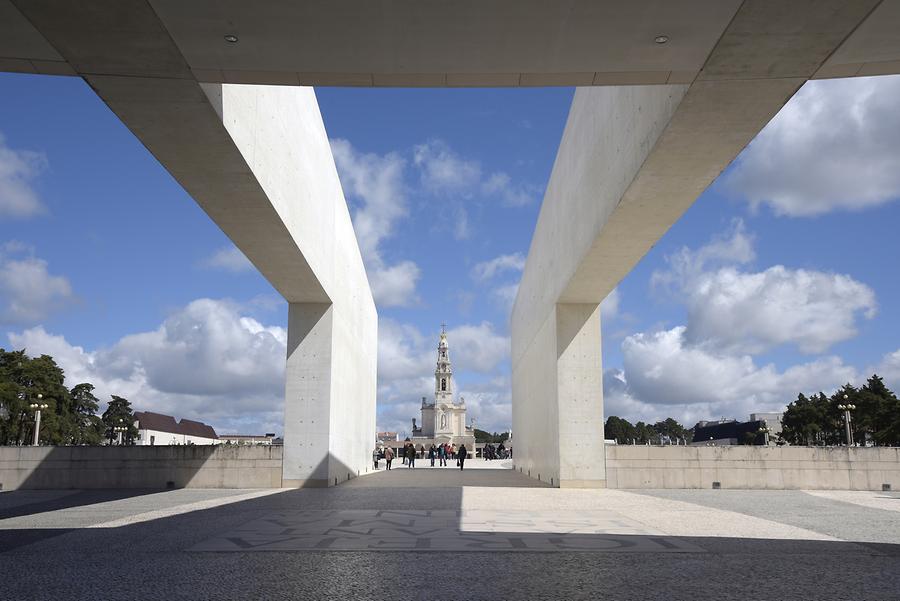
<point>444,420</point>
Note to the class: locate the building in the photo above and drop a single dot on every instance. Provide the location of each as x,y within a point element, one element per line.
<point>444,420</point>
<point>771,421</point>
<point>386,438</point>
<point>158,429</point>
<point>248,439</point>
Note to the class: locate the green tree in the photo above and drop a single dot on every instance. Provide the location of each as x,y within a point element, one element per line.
<point>87,427</point>
<point>619,429</point>
<point>119,413</point>
<point>22,379</point>
<point>673,430</point>
<point>803,421</point>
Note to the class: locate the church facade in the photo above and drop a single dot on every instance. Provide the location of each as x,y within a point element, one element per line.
<point>443,420</point>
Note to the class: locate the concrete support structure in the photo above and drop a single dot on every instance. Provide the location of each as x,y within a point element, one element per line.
<point>631,161</point>
<point>699,79</point>
<point>258,161</point>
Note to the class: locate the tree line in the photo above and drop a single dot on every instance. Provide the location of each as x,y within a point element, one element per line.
<point>818,419</point>
<point>813,420</point>
<point>667,431</point>
<point>71,415</point>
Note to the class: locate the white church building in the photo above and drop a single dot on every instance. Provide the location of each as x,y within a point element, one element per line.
<point>444,420</point>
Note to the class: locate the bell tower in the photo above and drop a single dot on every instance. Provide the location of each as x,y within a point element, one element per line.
<point>443,373</point>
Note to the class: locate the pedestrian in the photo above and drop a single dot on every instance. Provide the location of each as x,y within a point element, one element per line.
<point>452,451</point>
<point>442,455</point>
<point>410,455</point>
<point>388,457</point>
<point>461,456</point>
<point>432,452</point>
<point>375,458</point>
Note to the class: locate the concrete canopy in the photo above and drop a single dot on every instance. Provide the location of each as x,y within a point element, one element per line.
<point>430,43</point>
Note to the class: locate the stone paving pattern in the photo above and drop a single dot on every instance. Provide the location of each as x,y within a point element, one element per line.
<point>736,545</point>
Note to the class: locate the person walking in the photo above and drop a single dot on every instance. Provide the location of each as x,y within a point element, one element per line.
<point>388,457</point>
<point>375,456</point>
<point>442,455</point>
<point>461,456</point>
<point>410,455</point>
<point>432,452</point>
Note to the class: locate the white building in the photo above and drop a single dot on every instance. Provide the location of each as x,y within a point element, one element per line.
<point>444,420</point>
<point>156,429</point>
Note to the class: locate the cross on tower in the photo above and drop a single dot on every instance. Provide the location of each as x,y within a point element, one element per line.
<point>443,328</point>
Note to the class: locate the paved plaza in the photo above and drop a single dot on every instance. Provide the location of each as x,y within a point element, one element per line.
<point>445,534</point>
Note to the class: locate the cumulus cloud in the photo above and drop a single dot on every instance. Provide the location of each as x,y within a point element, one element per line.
<point>18,168</point>
<point>834,146</point>
<point>229,258</point>
<point>665,375</point>
<point>29,293</point>
<point>206,361</point>
<point>486,270</point>
<point>443,171</point>
<point>375,185</point>
<point>749,312</point>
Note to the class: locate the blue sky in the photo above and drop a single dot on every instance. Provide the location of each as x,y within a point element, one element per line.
<point>778,280</point>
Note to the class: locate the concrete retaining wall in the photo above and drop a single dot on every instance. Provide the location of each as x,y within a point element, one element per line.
<point>140,467</point>
<point>751,467</point>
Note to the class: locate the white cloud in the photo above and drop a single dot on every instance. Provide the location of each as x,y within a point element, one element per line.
<point>18,168</point>
<point>442,170</point>
<point>206,361</point>
<point>750,312</point>
<point>834,146</point>
<point>229,258</point>
<point>664,375</point>
<point>510,194</point>
<point>395,286</point>
<point>29,293</point>
<point>486,270</point>
<point>375,184</point>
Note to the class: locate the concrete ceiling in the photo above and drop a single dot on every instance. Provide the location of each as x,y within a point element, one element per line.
<point>408,42</point>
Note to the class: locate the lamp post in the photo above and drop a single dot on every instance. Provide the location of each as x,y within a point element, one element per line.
<point>765,432</point>
<point>119,430</point>
<point>37,407</point>
<point>847,408</point>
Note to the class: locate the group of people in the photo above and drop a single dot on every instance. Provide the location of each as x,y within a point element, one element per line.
<point>409,453</point>
<point>490,452</point>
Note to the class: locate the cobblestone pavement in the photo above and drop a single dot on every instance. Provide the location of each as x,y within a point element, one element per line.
<point>580,544</point>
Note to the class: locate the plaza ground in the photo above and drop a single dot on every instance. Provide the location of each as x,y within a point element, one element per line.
<point>445,534</point>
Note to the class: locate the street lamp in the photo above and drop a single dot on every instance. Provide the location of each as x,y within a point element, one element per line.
<point>765,432</point>
<point>119,430</point>
<point>847,408</point>
<point>37,407</point>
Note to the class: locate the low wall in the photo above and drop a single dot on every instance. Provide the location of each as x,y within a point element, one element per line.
<point>140,467</point>
<point>777,468</point>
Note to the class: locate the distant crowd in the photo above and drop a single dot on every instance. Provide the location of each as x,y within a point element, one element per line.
<point>441,453</point>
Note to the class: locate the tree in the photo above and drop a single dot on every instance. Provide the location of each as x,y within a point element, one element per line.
<point>22,379</point>
<point>803,421</point>
<point>672,430</point>
<point>119,413</point>
<point>87,427</point>
<point>618,429</point>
